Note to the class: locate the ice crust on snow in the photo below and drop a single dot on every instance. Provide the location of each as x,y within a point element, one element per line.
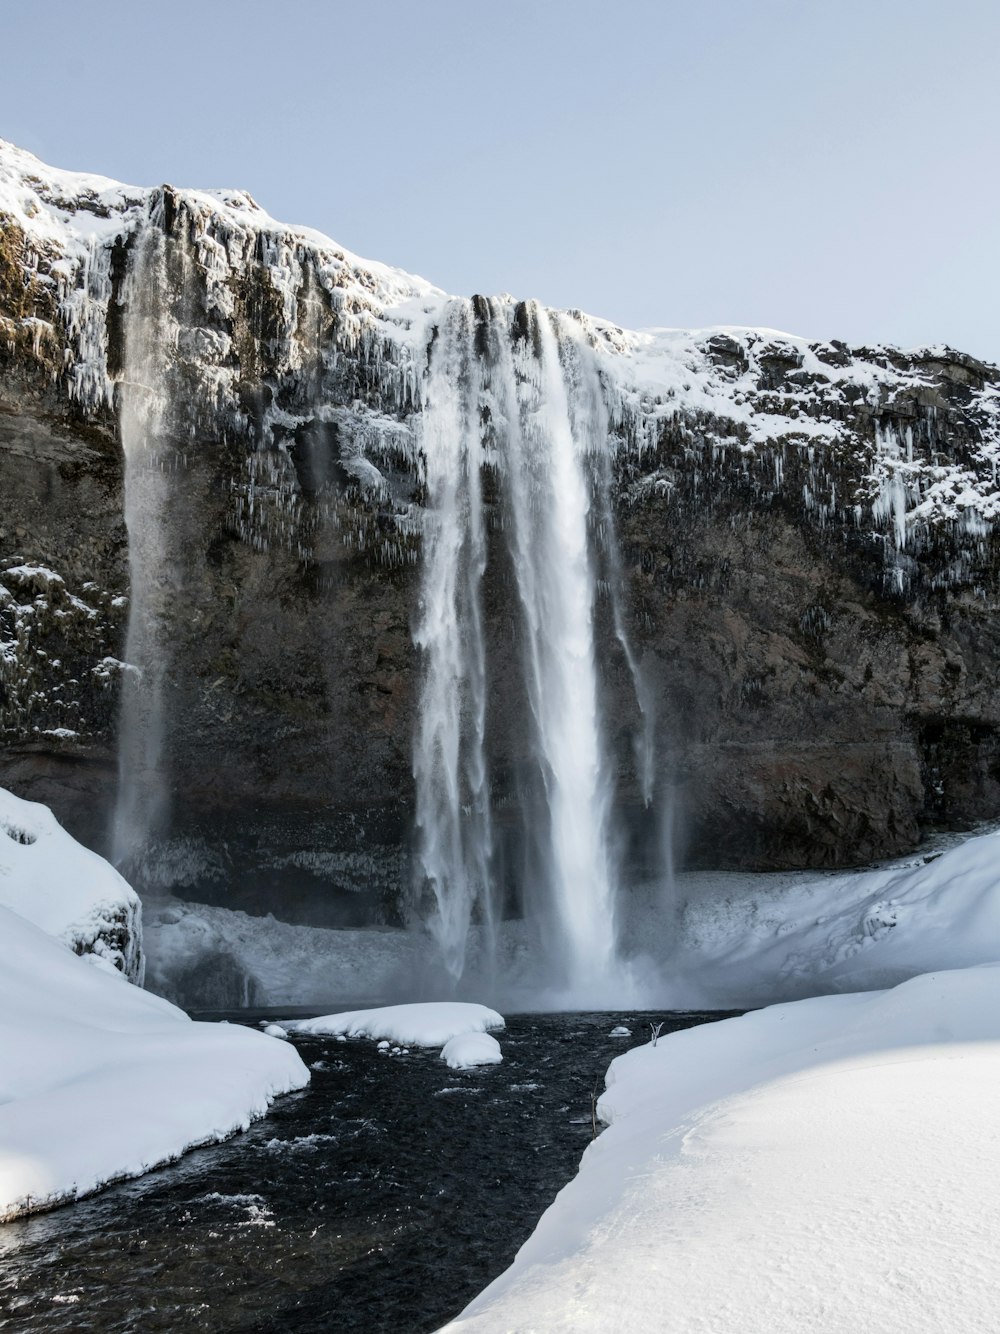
<point>423,1024</point>
<point>838,1153</point>
<point>100,1080</point>
<point>65,889</point>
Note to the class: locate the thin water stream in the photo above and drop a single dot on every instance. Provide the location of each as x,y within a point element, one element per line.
<point>382,1198</point>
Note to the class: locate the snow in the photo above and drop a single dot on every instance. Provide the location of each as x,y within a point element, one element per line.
<point>468,1050</point>
<point>828,1165</point>
<point>39,577</point>
<point>284,963</point>
<point>423,1024</point>
<point>740,939</point>
<point>749,940</point>
<point>65,889</point>
<point>100,1080</point>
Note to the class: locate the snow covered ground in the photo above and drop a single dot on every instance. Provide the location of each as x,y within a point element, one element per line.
<point>66,890</point>
<point>101,1080</point>
<point>831,1165</point>
<point>751,940</point>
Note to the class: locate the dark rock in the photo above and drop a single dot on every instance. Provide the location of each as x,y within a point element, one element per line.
<point>822,697</point>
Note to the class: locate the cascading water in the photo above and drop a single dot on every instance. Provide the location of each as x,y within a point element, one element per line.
<point>549,503</point>
<point>524,381</point>
<point>592,426</point>
<point>141,805</point>
<point>453,815</point>
<point>508,388</point>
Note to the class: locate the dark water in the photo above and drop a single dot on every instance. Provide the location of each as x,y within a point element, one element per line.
<point>382,1198</point>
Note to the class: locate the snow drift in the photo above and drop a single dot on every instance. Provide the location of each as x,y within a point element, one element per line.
<point>828,1164</point>
<point>100,1080</point>
<point>465,1051</point>
<point>65,889</point>
<point>425,1024</point>
<point>752,940</point>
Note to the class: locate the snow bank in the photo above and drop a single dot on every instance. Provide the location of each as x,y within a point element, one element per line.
<point>829,1164</point>
<point>65,889</point>
<point>428,1024</point>
<point>743,939</point>
<point>468,1050</point>
<point>100,1080</point>
<point>778,937</point>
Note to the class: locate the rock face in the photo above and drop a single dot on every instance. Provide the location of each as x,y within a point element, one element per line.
<point>800,562</point>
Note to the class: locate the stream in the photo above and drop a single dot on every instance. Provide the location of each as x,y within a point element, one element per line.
<point>384,1197</point>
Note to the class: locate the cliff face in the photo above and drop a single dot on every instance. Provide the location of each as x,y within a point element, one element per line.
<point>795,556</point>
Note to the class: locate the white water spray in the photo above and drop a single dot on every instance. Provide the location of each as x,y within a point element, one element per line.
<point>592,427</point>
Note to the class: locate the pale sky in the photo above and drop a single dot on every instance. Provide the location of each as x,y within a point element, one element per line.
<point>829,168</point>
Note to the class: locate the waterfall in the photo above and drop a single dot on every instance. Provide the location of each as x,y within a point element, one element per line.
<point>511,392</point>
<point>545,472</point>
<point>594,429</point>
<point>453,816</point>
<point>525,379</point>
<point>141,807</point>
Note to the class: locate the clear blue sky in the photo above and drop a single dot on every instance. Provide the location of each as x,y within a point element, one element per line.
<point>830,168</point>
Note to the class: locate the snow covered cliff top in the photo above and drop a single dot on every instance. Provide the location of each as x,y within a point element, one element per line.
<point>63,207</point>
<point>74,212</point>
<point>272,301</point>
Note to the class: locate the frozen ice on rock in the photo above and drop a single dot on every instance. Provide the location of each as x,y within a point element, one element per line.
<point>620,1032</point>
<point>468,1050</point>
<point>275,1031</point>
<point>423,1024</point>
